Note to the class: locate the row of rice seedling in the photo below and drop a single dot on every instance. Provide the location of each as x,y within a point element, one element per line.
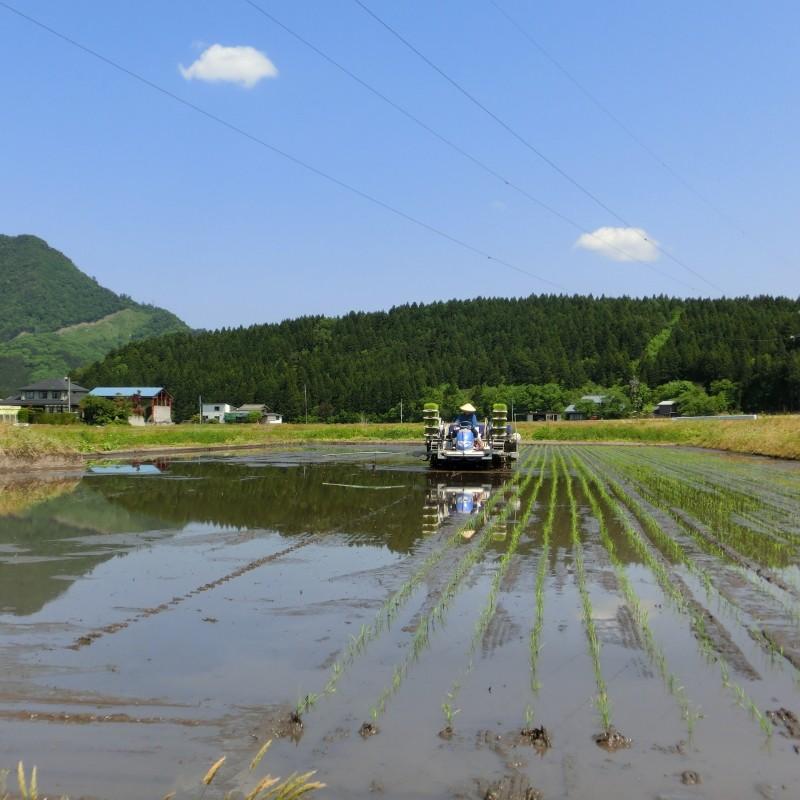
<point>602,702</point>
<point>394,603</point>
<point>677,552</point>
<point>764,476</point>
<point>437,614</point>
<point>490,606</point>
<point>770,591</point>
<point>535,643</point>
<point>762,581</point>
<point>617,503</point>
<point>725,503</point>
<point>657,657</point>
<point>714,508</point>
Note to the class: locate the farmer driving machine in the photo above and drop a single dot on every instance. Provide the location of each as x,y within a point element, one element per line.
<point>462,444</point>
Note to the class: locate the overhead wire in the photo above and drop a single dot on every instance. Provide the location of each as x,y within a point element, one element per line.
<point>276,150</point>
<point>529,145</point>
<point>614,118</point>
<point>455,147</point>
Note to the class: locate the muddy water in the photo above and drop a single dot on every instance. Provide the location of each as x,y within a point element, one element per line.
<point>155,616</point>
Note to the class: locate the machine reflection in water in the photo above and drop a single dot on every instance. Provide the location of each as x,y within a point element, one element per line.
<point>464,496</point>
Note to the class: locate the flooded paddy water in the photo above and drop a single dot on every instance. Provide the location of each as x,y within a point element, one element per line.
<point>600,622</point>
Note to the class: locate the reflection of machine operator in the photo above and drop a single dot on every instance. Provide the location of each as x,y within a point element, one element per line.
<point>467,417</point>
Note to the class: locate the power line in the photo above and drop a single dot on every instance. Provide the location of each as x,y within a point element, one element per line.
<point>614,118</point>
<point>732,221</point>
<point>276,150</point>
<point>451,144</point>
<point>528,144</point>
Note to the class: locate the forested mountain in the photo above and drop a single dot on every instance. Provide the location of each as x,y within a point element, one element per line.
<point>367,362</point>
<point>54,318</point>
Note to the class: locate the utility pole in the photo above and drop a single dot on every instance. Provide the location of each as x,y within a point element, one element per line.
<point>69,394</point>
<point>305,400</point>
<point>200,407</point>
<point>401,410</point>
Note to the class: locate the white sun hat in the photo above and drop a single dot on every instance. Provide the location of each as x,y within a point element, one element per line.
<point>468,407</point>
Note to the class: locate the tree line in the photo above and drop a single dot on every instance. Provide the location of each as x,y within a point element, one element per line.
<point>556,347</point>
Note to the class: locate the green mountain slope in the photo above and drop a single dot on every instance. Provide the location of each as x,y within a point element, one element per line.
<point>367,362</point>
<point>54,318</point>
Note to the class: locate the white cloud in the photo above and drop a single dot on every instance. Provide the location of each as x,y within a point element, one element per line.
<point>620,244</point>
<point>242,64</point>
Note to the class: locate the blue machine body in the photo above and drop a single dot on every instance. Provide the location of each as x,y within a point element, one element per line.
<point>465,439</point>
<point>465,503</point>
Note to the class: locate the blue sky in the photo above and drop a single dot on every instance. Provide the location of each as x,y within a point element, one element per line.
<point>158,202</point>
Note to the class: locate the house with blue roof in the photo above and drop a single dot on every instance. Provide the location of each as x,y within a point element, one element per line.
<point>152,405</point>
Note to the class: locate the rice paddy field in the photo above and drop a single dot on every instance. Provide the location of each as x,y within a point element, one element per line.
<point>599,622</point>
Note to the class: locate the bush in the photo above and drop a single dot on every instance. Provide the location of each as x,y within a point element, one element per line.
<point>57,419</point>
<point>102,411</point>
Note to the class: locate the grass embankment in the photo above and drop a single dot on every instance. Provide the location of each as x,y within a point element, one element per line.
<point>37,445</point>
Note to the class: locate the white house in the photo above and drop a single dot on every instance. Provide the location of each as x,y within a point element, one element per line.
<point>215,411</point>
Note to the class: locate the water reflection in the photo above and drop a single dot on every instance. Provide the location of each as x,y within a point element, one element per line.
<point>52,533</point>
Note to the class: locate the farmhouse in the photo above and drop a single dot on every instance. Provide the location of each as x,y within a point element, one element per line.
<point>53,396</point>
<point>215,412</point>
<point>267,415</point>
<point>151,404</point>
<point>572,413</point>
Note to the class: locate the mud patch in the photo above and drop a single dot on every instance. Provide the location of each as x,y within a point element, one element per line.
<point>500,631</point>
<point>537,737</point>
<point>612,740</point>
<point>786,721</point>
<point>89,719</point>
<point>510,787</point>
<point>690,778</point>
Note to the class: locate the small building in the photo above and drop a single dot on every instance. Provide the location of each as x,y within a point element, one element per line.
<point>667,408</point>
<point>572,413</point>
<point>151,404</point>
<point>268,417</point>
<point>9,414</point>
<point>542,416</point>
<point>215,411</point>
<point>52,396</point>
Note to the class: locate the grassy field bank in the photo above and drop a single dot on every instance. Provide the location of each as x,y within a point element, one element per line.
<point>770,435</point>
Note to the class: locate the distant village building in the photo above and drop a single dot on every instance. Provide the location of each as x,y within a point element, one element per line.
<point>542,416</point>
<point>667,408</point>
<point>53,396</point>
<point>572,413</point>
<point>9,414</point>
<point>266,415</point>
<point>215,411</point>
<point>151,404</point>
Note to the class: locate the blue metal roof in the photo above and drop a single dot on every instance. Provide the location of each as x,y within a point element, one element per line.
<point>126,391</point>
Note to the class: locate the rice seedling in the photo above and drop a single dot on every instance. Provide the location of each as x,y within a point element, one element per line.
<point>490,606</point>
<point>437,614</point>
<point>535,644</point>
<point>388,611</point>
<point>602,701</point>
<point>670,589</point>
<point>760,580</point>
<point>656,655</point>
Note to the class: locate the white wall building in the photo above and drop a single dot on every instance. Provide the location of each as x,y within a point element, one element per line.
<point>215,411</point>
